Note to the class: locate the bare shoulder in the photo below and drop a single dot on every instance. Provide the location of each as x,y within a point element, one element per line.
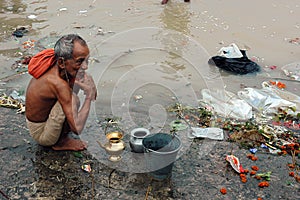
<point>56,83</point>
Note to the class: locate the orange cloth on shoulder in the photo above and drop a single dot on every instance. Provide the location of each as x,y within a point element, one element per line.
<point>41,62</point>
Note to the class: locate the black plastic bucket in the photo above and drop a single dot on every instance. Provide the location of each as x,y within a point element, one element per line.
<point>160,153</point>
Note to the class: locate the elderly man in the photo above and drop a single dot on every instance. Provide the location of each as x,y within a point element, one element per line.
<point>52,105</point>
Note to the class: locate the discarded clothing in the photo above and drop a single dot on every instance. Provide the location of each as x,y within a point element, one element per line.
<point>240,66</point>
<point>41,62</point>
<point>47,133</point>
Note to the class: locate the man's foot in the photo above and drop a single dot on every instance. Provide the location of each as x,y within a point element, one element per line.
<point>164,1</point>
<point>71,144</point>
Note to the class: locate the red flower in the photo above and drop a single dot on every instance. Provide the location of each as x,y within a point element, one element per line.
<point>243,178</point>
<point>252,172</point>
<point>252,157</point>
<point>264,184</point>
<point>292,174</point>
<point>223,190</point>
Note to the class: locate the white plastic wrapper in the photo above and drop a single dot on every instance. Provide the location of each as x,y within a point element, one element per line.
<point>231,51</point>
<point>211,133</point>
<point>227,104</point>
<point>269,99</point>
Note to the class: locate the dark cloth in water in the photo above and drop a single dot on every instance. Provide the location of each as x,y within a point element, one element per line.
<point>241,65</point>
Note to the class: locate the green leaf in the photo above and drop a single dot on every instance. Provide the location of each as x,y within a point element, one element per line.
<point>78,154</point>
<point>293,108</point>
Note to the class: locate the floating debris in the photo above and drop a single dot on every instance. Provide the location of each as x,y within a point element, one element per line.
<point>63,9</point>
<point>21,64</point>
<point>279,84</point>
<point>292,71</point>
<point>32,17</point>
<point>137,97</point>
<point>294,40</point>
<point>29,44</point>
<point>19,32</point>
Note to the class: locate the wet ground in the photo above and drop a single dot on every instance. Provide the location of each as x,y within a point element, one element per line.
<point>29,171</point>
<point>183,36</point>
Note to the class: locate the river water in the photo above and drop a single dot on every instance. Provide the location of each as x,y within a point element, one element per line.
<point>263,28</point>
<point>135,44</point>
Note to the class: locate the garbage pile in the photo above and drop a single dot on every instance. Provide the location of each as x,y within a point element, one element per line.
<point>14,100</point>
<point>266,119</point>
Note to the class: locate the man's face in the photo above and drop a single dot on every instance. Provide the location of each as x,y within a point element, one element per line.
<point>79,63</point>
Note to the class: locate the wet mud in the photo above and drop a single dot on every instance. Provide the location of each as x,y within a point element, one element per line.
<point>29,171</point>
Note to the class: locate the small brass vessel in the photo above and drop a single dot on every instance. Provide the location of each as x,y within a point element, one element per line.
<point>115,146</point>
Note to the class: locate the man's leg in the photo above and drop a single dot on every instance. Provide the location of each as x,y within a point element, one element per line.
<point>65,142</point>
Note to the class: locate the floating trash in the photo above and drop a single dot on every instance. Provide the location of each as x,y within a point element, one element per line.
<point>137,97</point>
<point>63,9</point>
<point>83,11</point>
<point>29,44</point>
<point>294,40</point>
<point>31,16</point>
<point>19,32</point>
<point>292,71</point>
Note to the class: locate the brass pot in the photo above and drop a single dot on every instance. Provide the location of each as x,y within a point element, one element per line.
<point>115,146</point>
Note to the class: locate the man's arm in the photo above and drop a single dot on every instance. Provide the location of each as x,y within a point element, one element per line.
<point>70,103</point>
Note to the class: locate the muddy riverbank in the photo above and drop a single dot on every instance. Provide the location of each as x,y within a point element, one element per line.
<point>29,171</point>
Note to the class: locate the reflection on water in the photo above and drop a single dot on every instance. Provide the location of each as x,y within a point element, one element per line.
<point>14,15</point>
<point>10,17</point>
<point>12,7</point>
<point>176,16</point>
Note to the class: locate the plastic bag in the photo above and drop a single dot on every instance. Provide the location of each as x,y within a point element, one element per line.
<point>232,51</point>
<point>235,65</point>
<point>227,104</point>
<point>268,99</point>
<point>292,71</point>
